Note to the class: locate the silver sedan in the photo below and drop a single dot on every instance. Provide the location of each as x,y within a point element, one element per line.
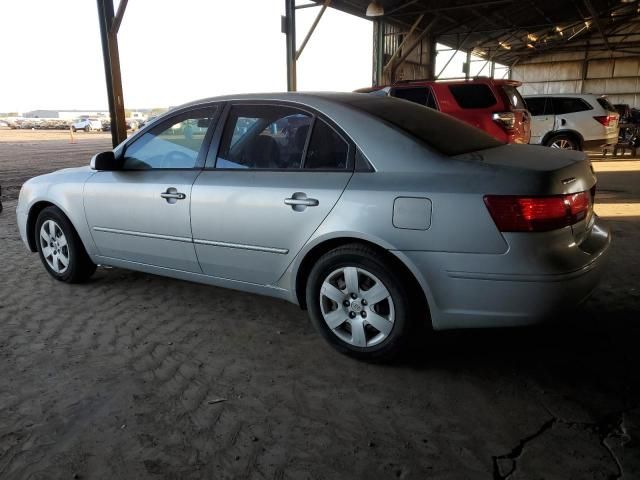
<point>375,214</point>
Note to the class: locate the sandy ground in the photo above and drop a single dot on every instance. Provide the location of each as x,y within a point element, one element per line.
<point>137,376</point>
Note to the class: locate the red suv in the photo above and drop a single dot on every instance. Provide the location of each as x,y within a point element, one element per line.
<point>494,106</point>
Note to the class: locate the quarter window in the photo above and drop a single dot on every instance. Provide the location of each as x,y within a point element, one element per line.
<point>264,137</point>
<point>169,146</point>
<point>327,150</point>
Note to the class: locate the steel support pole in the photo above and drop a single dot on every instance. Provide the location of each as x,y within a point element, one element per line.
<point>289,27</point>
<point>467,70</point>
<point>378,51</point>
<point>111,59</point>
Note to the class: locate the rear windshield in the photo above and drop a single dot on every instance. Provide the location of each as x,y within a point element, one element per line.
<point>514,97</point>
<point>604,103</point>
<point>442,132</point>
<point>473,95</point>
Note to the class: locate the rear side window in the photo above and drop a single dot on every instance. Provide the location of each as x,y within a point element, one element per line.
<point>441,132</point>
<point>264,137</point>
<point>514,97</point>
<point>327,150</point>
<point>415,95</point>
<point>604,103</point>
<point>473,95</point>
<point>570,105</point>
<point>539,106</point>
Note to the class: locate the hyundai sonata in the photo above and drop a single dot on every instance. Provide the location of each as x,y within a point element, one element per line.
<point>375,214</point>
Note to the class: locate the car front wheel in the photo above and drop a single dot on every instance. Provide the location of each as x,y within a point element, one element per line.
<point>358,302</point>
<point>60,248</point>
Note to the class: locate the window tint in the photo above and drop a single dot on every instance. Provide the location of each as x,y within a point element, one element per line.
<point>327,149</point>
<point>263,136</point>
<point>441,132</point>
<point>415,95</point>
<point>169,146</point>
<point>539,106</point>
<point>604,103</point>
<point>513,95</point>
<point>473,95</point>
<point>569,105</point>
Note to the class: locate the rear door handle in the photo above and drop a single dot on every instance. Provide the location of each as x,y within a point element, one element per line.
<point>307,202</point>
<point>172,195</point>
<point>177,195</point>
<point>299,201</point>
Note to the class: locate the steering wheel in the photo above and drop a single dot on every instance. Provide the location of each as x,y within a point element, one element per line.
<point>177,159</point>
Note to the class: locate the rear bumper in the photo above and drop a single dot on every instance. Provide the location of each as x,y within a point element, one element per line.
<point>483,291</point>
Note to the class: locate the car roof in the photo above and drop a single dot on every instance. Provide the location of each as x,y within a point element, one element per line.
<point>298,97</point>
<point>567,95</point>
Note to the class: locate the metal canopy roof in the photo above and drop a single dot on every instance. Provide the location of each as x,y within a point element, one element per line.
<point>509,30</point>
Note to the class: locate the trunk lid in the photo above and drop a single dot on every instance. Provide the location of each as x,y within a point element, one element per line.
<point>540,171</point>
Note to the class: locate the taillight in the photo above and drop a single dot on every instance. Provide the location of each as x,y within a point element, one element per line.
<point>607,120</point>
<point>506,120</point>
<point>513,213</point>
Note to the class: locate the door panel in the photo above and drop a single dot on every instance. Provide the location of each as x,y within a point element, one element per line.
<point>141,212</point>
<point>540,126</point>
<point>129,220</point>
<point>244,230</point>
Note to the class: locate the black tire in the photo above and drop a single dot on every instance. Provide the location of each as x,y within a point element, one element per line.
<point>568,141</point>
<point>80,267</point>
<point>375,262</point>
<point>74,129</point>
<point>87,128</point>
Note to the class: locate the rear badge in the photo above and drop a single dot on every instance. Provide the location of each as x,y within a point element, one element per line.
<point>569,180</point>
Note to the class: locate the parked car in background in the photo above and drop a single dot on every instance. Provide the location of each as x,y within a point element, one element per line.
<point>377,215</point>
<point>494,106</point>
<point>624,110</point>
<point>87,124</point>
<point>572,121</point>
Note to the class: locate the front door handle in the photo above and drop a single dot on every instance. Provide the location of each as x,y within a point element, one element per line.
<point>299,201</point>
<point>172,195</point>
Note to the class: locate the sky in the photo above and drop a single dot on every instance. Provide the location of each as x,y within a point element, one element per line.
<point>171,52</point>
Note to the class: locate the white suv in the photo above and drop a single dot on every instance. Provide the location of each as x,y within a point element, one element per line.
<point>572,121</point>
<point>87,124</point>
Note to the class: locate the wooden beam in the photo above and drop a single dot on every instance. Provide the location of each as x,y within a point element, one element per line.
<point>313,27</point>
<point>417,42</point>
<point>406,38</point>
<point>117,19</point>
<point>596,20</point>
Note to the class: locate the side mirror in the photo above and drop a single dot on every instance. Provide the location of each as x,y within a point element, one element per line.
<point>105,161</point>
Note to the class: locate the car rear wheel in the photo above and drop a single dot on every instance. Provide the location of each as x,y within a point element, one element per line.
<point>565,142</point>
<point>356,300</point>
<point>60,248</point>
<point>87,128</point>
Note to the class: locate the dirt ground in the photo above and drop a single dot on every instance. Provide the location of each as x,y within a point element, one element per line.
<point>137,376</point>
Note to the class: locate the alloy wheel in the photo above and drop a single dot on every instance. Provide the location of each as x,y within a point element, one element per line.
<point>54,246</point>
<point>563,143</point>
<point>357,307</point>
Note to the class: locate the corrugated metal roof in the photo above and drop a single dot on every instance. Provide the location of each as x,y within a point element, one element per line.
<point>508,30</point>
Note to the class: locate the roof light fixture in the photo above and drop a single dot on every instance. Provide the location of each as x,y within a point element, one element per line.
<point>375,9</point>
